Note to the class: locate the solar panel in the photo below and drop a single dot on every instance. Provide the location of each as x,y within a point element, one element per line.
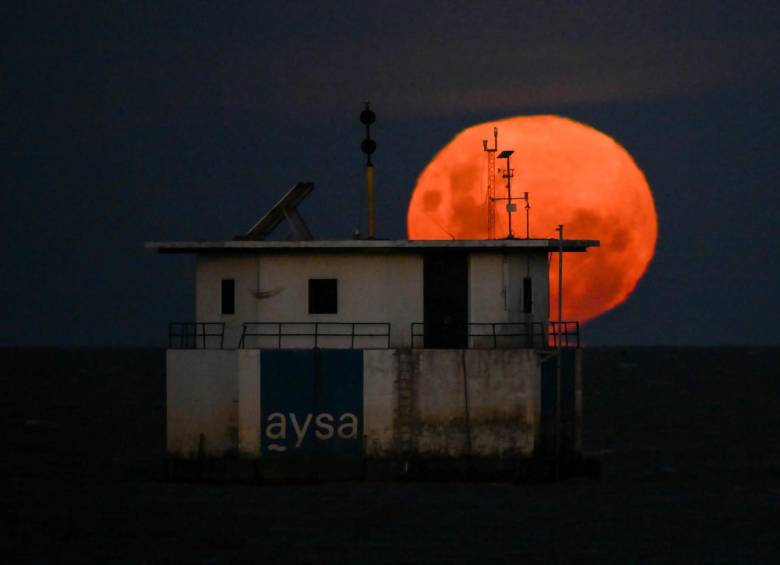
<point>285,209</point>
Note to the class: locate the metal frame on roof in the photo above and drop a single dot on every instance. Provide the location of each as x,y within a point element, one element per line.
<point>285,209</point>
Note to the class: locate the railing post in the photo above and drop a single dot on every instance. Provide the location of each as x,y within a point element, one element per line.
<point>352,343</point>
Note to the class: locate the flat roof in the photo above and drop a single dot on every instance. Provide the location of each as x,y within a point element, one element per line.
<point>368,245</point>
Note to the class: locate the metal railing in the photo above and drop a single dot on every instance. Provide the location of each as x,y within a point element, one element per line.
<point>506,335</point>
<point>196,335</point>
<point>306,335</point>
<point>372,335</point>
<point>564,334</point>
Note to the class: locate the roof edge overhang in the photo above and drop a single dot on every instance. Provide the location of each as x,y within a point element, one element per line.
<point>370,246</point>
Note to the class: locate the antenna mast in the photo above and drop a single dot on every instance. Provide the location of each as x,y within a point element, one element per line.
<point>367,117</point>
<point>491,186</point>
<point>508,174</point>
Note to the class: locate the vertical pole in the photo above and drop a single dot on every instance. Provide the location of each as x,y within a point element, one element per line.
<point>371,210</point>
<point>491,183</point>
<point>527,218</point>
<point>560,274</point>
<point>509,194</point>
<point>559,366</point>
<point>367,117</point>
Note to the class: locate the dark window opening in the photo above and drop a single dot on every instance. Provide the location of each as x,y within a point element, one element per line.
<point>527,295</point>
<point>323,296</point>
<point>228,296</point>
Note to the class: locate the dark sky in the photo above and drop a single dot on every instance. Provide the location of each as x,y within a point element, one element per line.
<point>128,121</point>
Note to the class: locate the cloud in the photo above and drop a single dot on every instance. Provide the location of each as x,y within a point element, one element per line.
<point>434,78</point>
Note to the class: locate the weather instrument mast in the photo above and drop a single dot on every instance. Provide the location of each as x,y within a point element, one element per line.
<point>508,174</point>
<point>368,146</point>
<point>491,180</point>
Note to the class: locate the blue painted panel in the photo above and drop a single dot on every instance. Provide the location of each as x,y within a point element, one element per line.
<point>311,403</point>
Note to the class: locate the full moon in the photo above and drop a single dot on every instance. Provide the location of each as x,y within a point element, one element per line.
<point>575,175</point>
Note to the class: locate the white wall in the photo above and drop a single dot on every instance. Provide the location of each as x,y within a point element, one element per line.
<point>473,402</point>
<point>249,388</point>
<point>496,291</point>
<point>496,287</point>
<point>380,400</point>
<point>210,270</point>
<point>212,402</point>
<point>371,288</point>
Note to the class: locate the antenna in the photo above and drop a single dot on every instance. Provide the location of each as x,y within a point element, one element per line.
<point>509,172</point>
<point>368,146</point>
<point>527,215</point>
<point>491,186</point>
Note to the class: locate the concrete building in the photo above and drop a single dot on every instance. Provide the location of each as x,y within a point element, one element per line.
<point>361,357</point>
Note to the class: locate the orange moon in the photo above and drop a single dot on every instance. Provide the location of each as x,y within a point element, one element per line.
<point>574,175</point>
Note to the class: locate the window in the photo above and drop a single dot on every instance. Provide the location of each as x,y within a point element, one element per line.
<point>228,296</point>
<point>323,296</point>
<point>527,295</point>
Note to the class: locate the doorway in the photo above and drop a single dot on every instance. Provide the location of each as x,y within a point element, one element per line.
<point>445,299</point>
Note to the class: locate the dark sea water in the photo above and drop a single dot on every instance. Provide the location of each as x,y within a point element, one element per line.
<point>689,441</point>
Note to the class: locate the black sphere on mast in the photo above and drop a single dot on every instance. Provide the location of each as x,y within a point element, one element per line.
<point>367,116</point>
<point>368,146</point>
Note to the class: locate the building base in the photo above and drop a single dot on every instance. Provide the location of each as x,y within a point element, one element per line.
<point>318,470</point>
